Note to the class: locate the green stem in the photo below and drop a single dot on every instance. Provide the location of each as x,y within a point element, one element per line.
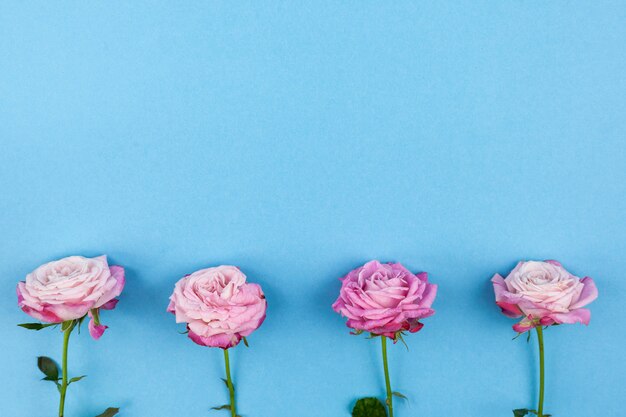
<point>63,388</point>
<point>229,382</point>
<point>541,370</point>
<point>387,382</point>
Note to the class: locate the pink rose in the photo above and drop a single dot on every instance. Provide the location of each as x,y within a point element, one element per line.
<point>385,299</point>
<point>218,306</point>
<point>544,293</point>
<point>70,288</point>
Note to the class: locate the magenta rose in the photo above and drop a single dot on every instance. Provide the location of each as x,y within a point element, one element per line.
<point>385,299</point>
<point>69,289</point>
<point>544,293</point>
<point>218,305</point>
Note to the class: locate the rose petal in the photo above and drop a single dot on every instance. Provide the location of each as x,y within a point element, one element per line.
<point>96,330</point>
<point>581,315</point>
<point>221,340</point>
<point>588,294</point>
<point>504,299</point>
<point>524,325</point>
<point>109,305</point>
<point>117,274</point>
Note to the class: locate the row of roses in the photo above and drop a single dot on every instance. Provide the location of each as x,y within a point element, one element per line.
<point>220,309</point>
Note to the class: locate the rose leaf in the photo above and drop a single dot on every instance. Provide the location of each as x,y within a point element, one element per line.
<point>109,412</point>
<point>36,326</point>
<point>369,407</point>
<point>49,368</point>
<point>76,379</point>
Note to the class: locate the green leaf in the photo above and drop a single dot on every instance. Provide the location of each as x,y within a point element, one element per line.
<point>400,395</point>
<point>111,411</point>
<point>76,379</point>
<point>521,412</point>
<point>36,326</point>
<point>369,407</point>
<point>48,367</point>
<point>245,341</point>
<point>222,407</point>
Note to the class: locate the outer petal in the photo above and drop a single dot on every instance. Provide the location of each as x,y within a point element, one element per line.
<point>416,327</point>
<point>221,340</point>
<point>70,311</point>
<point>524,325</point>
<point>96,330</point>
<point>428,297</point>
<point>337,305</point>
<point>581,315</point>
<point>117,273</point>
<point>171,307</point>
<point>34,310</point>
<point>503,298</point>
<point>109,305</point>
<point>588,294</point>
<point>423,276</point>
<point>420,313</point>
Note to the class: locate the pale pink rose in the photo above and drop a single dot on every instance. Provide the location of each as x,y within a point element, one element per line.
<point>219,307</point>
<point>70,288</point>
<point>385,299</point>
<point>544,293</point>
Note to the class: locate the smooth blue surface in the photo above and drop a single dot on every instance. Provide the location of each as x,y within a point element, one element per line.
<point>299,140</point>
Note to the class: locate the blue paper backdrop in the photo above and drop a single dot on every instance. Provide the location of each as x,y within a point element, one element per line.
<point>299,140</point>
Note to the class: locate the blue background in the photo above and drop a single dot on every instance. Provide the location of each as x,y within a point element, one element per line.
<point>299,140</point>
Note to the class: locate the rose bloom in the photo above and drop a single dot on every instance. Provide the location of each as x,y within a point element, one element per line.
<point>70,288</point>
<point>218,305</point>
<point>544,293</point>
<point>385,299</point>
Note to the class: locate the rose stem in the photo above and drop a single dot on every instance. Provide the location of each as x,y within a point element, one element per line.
<point>63,388</point>
<point>387,382</point>
<point>229,382</point>
<point>541,370</point>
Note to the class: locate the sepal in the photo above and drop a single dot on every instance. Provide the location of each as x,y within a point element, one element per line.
<point>223,407</point>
